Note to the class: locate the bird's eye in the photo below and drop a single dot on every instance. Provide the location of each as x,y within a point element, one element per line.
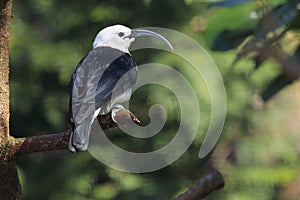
<point>121,34</point>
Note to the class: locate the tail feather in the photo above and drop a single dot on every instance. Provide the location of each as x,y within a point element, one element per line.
<point>79,139</point>
<point>71,147</point>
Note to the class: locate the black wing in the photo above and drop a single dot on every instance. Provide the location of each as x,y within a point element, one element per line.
<point>116,80</point>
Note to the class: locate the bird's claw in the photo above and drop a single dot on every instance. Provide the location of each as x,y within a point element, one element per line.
<point>114,111</point>
<point>123,116</point>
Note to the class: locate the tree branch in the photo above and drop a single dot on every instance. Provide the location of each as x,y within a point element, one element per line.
<point>267,50</point>
<point>40,143</point>
<point>60,141</point>
<point>211,182</point>
<point>290,65</point>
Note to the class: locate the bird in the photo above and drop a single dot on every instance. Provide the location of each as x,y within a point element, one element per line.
<point>103,80</point>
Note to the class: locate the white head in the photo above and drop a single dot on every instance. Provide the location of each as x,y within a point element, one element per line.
<point>116,36</point>
<point>121,37</point>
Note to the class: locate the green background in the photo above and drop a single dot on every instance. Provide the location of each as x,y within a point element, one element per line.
<point>258,152</point>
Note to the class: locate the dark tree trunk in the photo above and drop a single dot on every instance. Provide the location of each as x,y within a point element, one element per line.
<point>10,188</point>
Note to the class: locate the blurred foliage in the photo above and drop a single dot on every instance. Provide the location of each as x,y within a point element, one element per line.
<point>258,152</point>
<point>271,25</point>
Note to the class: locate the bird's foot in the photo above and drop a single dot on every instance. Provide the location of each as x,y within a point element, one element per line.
<point>122,116</point>
<point>114,111</point>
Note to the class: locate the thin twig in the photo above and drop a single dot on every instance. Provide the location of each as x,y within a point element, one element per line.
<point>209,183</point>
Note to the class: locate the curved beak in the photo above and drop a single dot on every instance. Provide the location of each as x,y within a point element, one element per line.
<point>138,33</point>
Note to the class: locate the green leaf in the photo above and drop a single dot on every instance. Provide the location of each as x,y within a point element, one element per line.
<point>227,40</point>
<point>233,18</point>
<point>228,3</point>
<point>295,24</point>
<point>281,15</point>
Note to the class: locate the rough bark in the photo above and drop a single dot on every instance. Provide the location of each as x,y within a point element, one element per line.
<point>60,141</point>
<point>10,188</point>
<point>5,15</point>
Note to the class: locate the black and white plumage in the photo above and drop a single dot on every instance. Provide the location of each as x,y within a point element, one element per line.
<point>103,79</point>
